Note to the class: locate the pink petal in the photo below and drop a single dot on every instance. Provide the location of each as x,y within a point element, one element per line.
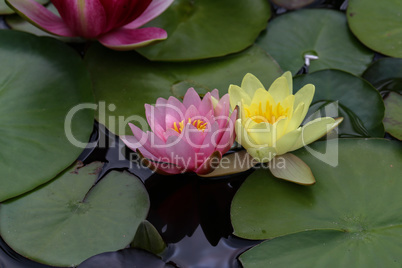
<point>192,113</point>
<point>222,110</point>
<point>210,141</point>
<point>156,120</point>
<point>193,137</point>
<point>229,135</point>
<point>191,98</point>
<point>85,18</point>
<point>39,16</point>
<point>121,12</point>
<point>215,93</point>
<point>206,104</point>
<point>153,10</point>
<point>126,39</point>
<point>151,142</point>
<point>181,153</point>
<point>174,111</point>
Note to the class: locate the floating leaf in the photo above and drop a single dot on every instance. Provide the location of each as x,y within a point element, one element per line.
<point>68,220</point>
<point>148,238</point>
<point>393,115</point>
<point>355,203</point>
<point>323,33</point>
<point>377,24</point>
<point>5,9</point>
<point>351,125</point>
<point>385,74</point>
<point>41,80</point>
<point>352,93</point>
<point>206,29</point>
<point>134,80</point>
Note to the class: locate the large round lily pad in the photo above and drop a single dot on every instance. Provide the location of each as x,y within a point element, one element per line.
<point>208,28</point>
<point>319,32</point>
<point>377,24</point>
<point>41,79</point>
<point>68,220</point>
<point>393,115</point>
<point>351,92</point>
<point>351,216</point>
<point>5,9</point>
<point>385,74</point>
<point>128,80</point>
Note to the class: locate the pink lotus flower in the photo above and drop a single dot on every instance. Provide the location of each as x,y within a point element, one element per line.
<point>188,136</point>
<point>115,23</point>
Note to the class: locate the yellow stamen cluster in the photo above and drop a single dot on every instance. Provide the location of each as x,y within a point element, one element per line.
<point>271,114</point>
<point>199,124</point>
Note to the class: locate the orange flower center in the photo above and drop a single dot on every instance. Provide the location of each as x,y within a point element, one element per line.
<point>271,113</point>
<point>199,124</point>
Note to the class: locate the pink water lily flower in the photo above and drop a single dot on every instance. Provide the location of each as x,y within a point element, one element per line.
<point>188,136</point>
<point>115,23</point>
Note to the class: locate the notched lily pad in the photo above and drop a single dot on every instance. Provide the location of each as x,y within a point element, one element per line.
<point>319,32</point>
<point>41,81</point>
<point>206,29</point>
<point>352,94</point>
<point>70,219</point>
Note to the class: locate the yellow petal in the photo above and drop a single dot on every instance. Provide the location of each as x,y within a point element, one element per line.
<point>250,84</point>
<point>261,133</point>
<point>242,137</point>
<point>288,76</point>
<point>314,130</point>
<point>279,89</point>
<point>287,141</point>
<point>236,95</point>
<point>261,95</point>
<point>262,154</point>
<point>304,95</point>
<point>297,118</point>
<point>291,168</point>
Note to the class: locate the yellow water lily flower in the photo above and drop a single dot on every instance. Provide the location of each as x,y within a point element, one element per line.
<point>269,120</point>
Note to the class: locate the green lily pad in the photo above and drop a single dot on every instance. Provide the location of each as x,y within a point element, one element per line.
<point>5,9</point>
<point>385,74</point>
<point>128,80</point>
<point>206,29</point>
<point>15,22</point>
<point>329,248</point>
<point>349,217</point>
<point>377,24</point>
<point>319,32</point>
<point>351,93</point>
<point>292,4</point>
<point>148,238</point>
<point>68,220</point>
<point>393,115</point>
<point>41,80</point>
<point>351,125</point>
